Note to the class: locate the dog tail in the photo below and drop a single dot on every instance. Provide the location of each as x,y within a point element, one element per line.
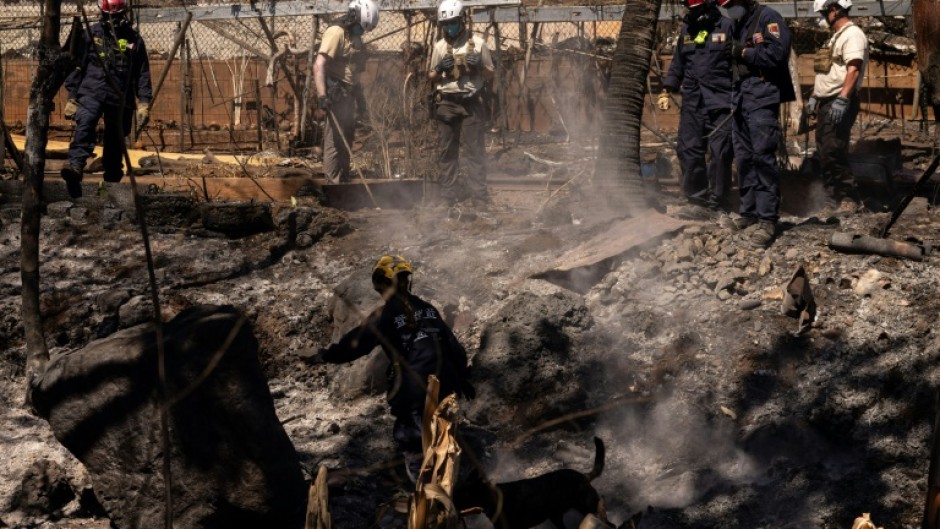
<point>599,456</point>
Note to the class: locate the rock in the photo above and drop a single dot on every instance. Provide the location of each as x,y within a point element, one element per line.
<point>58,210</point>
<point>232,463</point>
<point>791,254</point>
<point>237,219</point>
<point>749,304</point>
<point>366,376</point>
<point>724,295</point>
<point>43,490</point>
<point>766,266</point>
<point>111,216</point>
<point>684,252</point>
<point>78,214</point>
<point>870,282</point>
<point>137,310</point>
<point>109,302</point>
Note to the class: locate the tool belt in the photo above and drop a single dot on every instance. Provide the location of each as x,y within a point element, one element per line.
<point>337,90</point>
<point>822,61</point>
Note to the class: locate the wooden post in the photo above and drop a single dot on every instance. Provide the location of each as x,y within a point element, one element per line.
<point>182,123</point>
<point>500,81</point>
<point>3,129</point>
<point>258,113</point>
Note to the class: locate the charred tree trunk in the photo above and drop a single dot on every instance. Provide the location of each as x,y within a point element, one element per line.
<point>53,67</point>
<point>617,177</point>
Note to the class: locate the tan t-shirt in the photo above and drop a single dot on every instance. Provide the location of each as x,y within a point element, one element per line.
<point>848,44</point>
<point>466,83</point>
<point>344,52</point>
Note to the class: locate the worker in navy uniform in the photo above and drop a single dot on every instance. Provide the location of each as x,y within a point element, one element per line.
<point>761,79</point>
<point>120,50</point>
<point>702,71</point>
<point>418,343</point>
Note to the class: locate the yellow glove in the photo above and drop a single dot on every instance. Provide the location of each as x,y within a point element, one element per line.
<point>663,100</point>
<point>143,111</point>
<point>71,107</point>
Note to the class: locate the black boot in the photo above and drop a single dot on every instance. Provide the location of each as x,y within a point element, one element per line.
<point>73,180</point>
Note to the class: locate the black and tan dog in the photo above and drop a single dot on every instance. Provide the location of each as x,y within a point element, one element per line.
<point>528,502</point>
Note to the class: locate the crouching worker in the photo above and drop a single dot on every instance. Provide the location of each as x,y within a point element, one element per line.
<point>121,54</point>
<point>418,343</point>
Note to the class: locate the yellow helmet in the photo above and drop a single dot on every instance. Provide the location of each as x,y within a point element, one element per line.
<point>388,267</point>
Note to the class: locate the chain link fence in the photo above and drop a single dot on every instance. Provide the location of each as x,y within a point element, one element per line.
<point>223,90</point>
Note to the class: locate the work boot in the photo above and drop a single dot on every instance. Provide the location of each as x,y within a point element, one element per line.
<point>736,223</point>
<point>73,180</point>
<point>696,212</point>
<point>762,235</point>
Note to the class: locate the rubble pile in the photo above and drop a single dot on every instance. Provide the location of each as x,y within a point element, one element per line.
<point>713,411</point>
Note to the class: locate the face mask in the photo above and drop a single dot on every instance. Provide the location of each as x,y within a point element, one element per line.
<point>734,12</point>
<point>357,30</point>
<point>452,29</point>
<point>823,23</point>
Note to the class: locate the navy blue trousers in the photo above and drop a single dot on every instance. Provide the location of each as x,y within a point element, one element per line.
<point>706,183</point>
<point>83,143</point>
<point>756,138</point>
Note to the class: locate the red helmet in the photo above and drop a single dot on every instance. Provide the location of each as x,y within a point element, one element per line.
<point>112,7</point>
<point>723,3</point>
<point>693,3</point>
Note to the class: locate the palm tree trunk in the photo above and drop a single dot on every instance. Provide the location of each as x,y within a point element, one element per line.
<point>50,74</point>
<point>617,177</point>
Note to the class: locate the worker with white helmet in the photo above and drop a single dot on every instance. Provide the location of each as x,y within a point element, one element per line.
<point>336,75</point>
<point>840,69</point>
<point>460,66</point>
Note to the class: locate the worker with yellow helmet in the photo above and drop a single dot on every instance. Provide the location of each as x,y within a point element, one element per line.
<point>418,343</point>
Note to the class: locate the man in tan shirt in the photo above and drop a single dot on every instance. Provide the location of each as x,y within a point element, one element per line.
<point>336,75</point>
<point>461,65</point>
<point>840,68</point>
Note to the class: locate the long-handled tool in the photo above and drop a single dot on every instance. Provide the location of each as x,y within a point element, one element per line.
<point>339,130</point>
<point>918,186</point>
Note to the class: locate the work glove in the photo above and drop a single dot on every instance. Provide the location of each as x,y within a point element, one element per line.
<point>663,100</point>
<point>71,107</point>
<point>474,60</point>
<point>323,102</point>
<point>811,106</point>
<point>143,112</point>
<point>837,110</point>
<point>446,65</point>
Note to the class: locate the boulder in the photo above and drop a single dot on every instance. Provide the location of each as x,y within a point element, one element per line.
<point>232,463</point>
<point>531,345</point>
<point>44,489</point>
<point>352,300</point>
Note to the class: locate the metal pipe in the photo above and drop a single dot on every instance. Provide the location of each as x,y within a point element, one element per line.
<point>855,243</point>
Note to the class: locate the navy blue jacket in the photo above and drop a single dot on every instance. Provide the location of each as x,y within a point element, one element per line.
<point>425,343</point>
<point>125,55</point>
<point>765,73</point>
<point>703,68</point>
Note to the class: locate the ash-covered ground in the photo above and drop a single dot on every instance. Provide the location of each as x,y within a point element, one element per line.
<point>713,413</point>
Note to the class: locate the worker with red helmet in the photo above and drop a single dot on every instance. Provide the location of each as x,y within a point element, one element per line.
<point>702,72</point>
<point>114,65</point>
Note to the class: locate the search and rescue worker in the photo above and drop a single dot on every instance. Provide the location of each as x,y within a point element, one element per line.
<point>840,68</point>
<point>336,73</point>
<point>461,65</point>
<point>761,79</point>
<point>418,343</point>
<point>113,49</point>
<point>703,73</point>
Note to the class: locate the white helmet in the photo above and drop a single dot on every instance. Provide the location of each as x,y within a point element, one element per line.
<point>449,10</point>
<point>367,11</point>
<point>822,5</point>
